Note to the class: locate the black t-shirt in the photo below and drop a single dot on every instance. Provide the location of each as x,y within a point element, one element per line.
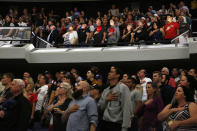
<point>53,87</point>
<point>82,34</point>
<point>34,18</point>
<point>7,93</point>
<point>58,125</point>
<point>106,27</point>
<point>167,93</point>
<point>141,34</point>
<point>157,36</point>
<point>99,36</point>
<point>17,118</point>
<point>128,37</point>
<point>39,22</point>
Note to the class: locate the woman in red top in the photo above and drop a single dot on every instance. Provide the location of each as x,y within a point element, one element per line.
<point>32,98</point>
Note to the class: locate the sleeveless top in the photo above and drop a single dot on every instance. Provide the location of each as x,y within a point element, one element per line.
<point>180,116</point>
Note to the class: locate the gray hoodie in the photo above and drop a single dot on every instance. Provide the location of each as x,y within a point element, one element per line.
<point>115,37</point>
<point>117,111</point>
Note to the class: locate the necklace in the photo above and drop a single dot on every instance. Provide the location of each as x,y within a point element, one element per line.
<point>182,105</point>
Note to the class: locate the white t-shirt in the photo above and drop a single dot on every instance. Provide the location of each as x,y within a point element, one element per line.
<point>113,12</point>
<point>41,95</point>
<point>144,95</point>
<point>92,28</point>
<point>70,37</point>
<point>22,24</point>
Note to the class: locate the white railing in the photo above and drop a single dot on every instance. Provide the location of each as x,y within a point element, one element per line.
<point>40,43</point>
<point>181,39</point>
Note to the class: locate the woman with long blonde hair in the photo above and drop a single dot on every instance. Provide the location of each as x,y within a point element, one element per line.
<point>64,97</point>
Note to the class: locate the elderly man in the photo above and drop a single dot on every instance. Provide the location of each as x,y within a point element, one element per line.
<point>15,112</point>
<point>82,112</point>
<point>165,71</point>
<point>53,36</point>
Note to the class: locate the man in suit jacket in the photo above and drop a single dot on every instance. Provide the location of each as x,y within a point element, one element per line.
<point>53,36</point>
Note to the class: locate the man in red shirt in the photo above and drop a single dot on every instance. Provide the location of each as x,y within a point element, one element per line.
<point>171,29</point>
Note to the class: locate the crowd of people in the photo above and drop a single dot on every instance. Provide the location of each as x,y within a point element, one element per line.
<point>127,26</point>
<point>68,101</point>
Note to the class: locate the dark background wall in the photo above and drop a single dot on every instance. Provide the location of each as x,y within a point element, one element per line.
<point>20,66</point>
<point>91,7</point>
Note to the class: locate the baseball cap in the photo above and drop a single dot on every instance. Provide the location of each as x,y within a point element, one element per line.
<point>94,86</point>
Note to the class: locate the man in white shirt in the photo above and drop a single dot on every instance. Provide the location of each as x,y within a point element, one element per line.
<point>42,92</point>
<point>113,10</point>
<point>143,81</point>
<point>21,30</point>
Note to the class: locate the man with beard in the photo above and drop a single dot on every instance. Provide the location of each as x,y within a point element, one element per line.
<point>116,104</point>
<point>82,112</point>
<point>167,92</point>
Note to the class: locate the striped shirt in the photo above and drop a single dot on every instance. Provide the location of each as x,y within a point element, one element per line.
<point>180,116</point>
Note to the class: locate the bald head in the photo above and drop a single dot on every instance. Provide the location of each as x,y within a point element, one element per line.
<point>84,85</point>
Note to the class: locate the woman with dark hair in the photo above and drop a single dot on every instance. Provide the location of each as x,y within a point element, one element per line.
<point>156,34</point>
<point>150,109</point>
<point>189,82</point>
<point>8,23</point>
<point>182,115</point>
<point>91,74</point>
<point>69,79</point>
